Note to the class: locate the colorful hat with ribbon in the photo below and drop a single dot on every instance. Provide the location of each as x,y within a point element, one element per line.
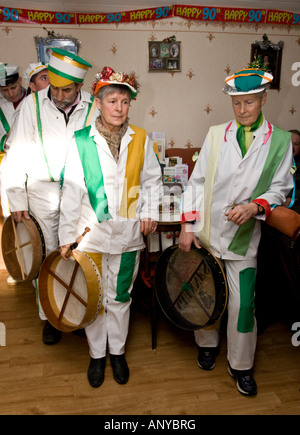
<point>65,68</point>
<point>256,78</point>
<point>109,77</point>
<point>33,69</point>
<point>9,74</point>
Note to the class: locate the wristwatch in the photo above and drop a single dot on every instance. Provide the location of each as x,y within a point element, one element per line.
<point>261,210</point>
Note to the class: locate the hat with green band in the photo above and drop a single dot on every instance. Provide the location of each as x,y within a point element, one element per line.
<point>247,81</point>
<point>65,68</point>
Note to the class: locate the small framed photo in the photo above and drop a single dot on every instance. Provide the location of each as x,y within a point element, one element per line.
<point>164,56</point>
<point>44,46</point>
<point>173,161</point>
<point>271,55</point>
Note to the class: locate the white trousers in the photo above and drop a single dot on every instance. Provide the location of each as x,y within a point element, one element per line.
<point>44,200</point>
<point>240,345</point>
<point>110,329</point>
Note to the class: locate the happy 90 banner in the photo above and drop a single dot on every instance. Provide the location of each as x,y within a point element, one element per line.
<point>198,13</point>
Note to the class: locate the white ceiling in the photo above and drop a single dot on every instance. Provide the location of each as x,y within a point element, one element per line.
<point>119,5</point>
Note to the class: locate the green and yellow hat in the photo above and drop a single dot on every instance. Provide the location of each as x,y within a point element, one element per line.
<point>247,81</point>
<point>65,68</point>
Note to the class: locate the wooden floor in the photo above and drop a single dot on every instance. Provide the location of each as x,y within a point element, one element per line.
<point>38,379</point>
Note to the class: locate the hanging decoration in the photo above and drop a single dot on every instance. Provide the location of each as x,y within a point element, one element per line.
<point>198,13</point>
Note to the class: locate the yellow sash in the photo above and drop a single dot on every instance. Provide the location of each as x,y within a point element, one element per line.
<point>134,165</point>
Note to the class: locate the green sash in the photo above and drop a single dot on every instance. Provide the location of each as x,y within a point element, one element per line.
<point>93,174</point>
<point>39,126</point>
<point>90,111</point>
<point>6,128</point>
<point>279,144</point>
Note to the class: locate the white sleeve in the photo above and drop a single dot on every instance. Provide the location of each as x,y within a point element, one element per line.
<point>191,199</point>
<point>19,145</point>
<point>73,191</point>
<point>151,184</point>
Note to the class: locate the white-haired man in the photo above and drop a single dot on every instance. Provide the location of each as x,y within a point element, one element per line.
<point>243,171</point>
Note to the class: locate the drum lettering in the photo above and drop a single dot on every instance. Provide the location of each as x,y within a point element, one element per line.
<point>206,299</point>
<point>183,301</point>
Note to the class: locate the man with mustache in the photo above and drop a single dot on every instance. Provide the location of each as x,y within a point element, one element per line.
<point>38,147</point>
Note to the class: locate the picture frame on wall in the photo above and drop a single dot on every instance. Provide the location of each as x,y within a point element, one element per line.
<point>44,46</point>
<point>271,55</point>
<point>164,56</point>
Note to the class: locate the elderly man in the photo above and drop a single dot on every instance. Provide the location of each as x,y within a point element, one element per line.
<point>243,171</point>
<point>38,148</point>
<point>11,96</point>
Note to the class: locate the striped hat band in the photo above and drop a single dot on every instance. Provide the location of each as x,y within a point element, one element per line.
<point>65,68</point>
<point>247,81</point>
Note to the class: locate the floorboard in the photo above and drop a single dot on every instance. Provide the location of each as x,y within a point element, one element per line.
<point>51,380</point>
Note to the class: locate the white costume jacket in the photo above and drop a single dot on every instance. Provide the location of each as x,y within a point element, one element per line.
<point>10,114</point>
<point>8,117</point>
<point>26,155</point>
<point>119,234</point>
<point>234,183</point>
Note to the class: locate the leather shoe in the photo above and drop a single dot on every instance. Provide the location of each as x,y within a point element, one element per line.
<point>51,335</point>
<point>120,368</point>
<point>79,332</point>
<point>96,372</point>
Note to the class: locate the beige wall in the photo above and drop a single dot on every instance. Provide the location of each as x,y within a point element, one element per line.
<point>185,104</point>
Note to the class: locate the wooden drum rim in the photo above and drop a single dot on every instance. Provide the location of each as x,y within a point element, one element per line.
<point>46,291</point>
<point>9,248</point>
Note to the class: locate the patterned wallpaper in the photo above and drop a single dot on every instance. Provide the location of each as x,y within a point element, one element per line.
<point>182,104</point>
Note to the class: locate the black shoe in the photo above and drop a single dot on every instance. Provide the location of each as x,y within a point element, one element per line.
<point>245,383</point>
<point>79,332</point>
<point>96,372</point>
<point>120,368</point>
<point>207,358</point>
<point>51,335</point>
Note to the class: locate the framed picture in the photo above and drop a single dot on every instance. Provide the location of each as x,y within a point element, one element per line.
<point>173,161</point>
<point>164,56</point>
<point>44,46</point>
<point>271,55</point>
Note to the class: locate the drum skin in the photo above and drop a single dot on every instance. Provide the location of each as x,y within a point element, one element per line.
<point>70,291</point>
<point>23,248</point>
<point>191,287</point>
